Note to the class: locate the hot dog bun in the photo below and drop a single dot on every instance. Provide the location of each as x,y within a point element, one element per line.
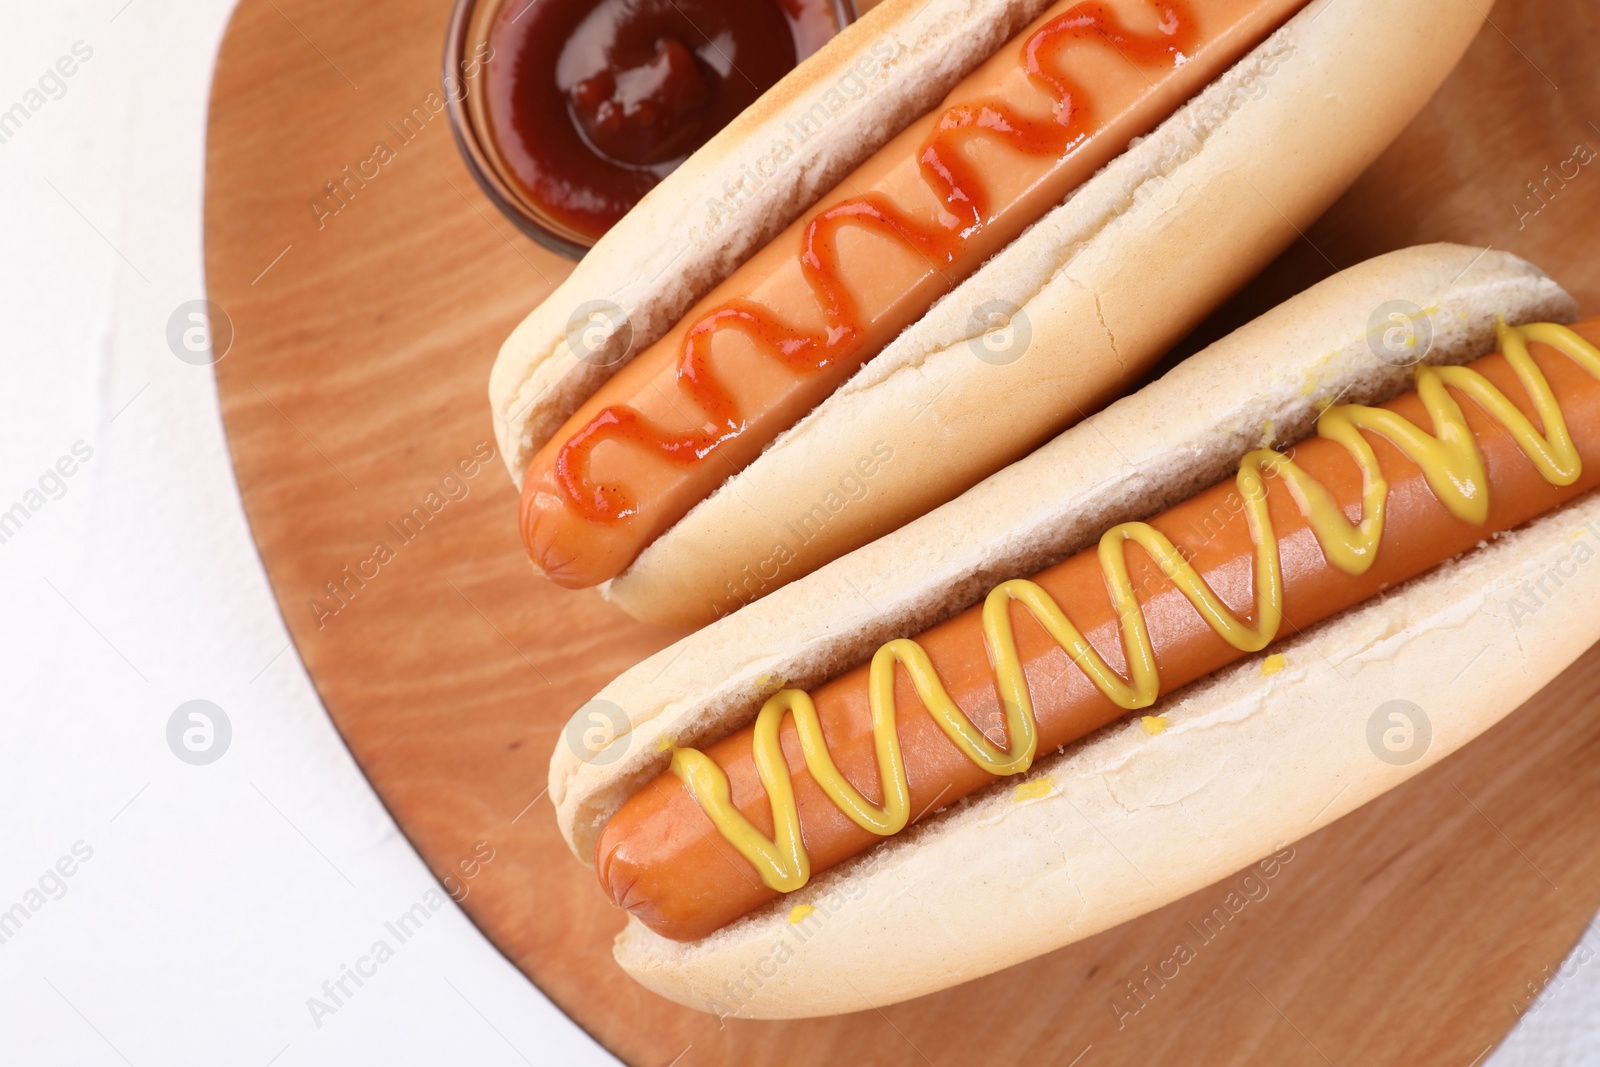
<point>1113,795</point>
<point>1105,283</point>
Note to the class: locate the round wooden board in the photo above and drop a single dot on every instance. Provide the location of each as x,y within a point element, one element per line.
<point>1407,933</point>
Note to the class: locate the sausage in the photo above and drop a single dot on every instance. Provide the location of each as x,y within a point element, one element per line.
<point>661,858</point>
<point>789,326</point>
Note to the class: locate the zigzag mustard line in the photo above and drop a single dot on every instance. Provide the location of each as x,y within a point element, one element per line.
<point>1450,461</point>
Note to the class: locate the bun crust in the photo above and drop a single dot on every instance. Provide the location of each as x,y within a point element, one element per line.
<point>940,904</point>
<point>1104,284</point>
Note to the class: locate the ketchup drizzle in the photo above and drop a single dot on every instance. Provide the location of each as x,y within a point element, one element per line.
<point>941,241</point>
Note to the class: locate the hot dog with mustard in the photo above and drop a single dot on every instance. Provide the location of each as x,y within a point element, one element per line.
<point>898,723</point>
<point>1380,496</point>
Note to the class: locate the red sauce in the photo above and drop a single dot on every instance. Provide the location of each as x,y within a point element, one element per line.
<point>968,208</point>
<point>595,101</point>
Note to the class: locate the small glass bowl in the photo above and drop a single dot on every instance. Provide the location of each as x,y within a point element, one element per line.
<point>470,25</point>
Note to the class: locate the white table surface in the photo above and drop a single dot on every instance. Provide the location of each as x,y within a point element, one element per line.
<point>216,900</point>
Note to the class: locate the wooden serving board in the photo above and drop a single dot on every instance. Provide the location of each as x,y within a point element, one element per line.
<point>1407,933</point>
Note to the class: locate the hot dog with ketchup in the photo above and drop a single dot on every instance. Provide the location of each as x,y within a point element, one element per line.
<point>779,334</point>
<point>611,469</point>
<point>1357,518</point>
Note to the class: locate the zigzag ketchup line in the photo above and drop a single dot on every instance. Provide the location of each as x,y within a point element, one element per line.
<point>1450,461</point>
<point>966,211</point>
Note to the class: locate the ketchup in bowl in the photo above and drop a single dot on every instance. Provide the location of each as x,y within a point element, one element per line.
<point>582,106</point>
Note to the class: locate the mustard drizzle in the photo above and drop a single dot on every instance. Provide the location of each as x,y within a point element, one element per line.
<point>1450,461</point>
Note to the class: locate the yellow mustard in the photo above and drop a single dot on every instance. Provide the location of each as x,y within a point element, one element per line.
<point>1449,459</point>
